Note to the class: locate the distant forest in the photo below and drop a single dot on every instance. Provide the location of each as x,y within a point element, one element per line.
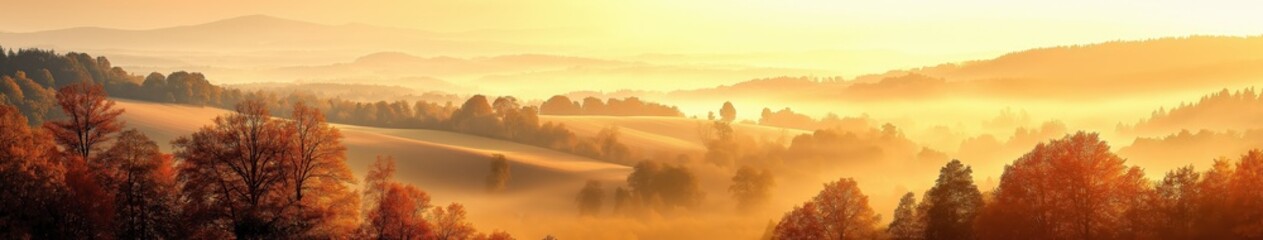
<point>631,106</point>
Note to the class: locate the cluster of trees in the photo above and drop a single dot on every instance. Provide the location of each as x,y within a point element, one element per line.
<point>726,148</point>
<point>1069,188</point>
<point>787,118</point>
<point>358,92</point>
<point>651,187</point>
<point>182,87</point>
<point>632,106</point>
<point>1223,110</point>
<point>824,148</point>
<point>81,176</point>
<point>30,75</point>
<point>33,97</point>
<point>947,211</point>
<point>500,118</point>
<point>836,147</point>
<point>248,175</point>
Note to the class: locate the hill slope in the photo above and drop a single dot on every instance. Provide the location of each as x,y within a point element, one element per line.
<point>675,134</point>
<point>450,166</point>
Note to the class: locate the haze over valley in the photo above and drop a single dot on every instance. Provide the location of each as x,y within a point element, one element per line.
<point>564,119</point>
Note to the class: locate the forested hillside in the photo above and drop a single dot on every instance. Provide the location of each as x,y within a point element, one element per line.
<point>504,118</point>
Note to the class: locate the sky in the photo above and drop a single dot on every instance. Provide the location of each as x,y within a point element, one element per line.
<point>849,38</point>
<point>925,27</point>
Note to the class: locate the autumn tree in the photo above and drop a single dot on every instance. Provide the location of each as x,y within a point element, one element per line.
<point>1246,196</point>
<point>751,187</point>
<point>1176,206</point>
<point>728,113</point>
<point>144,187</point>
<point>90,119</point>
<point>953,203</point>
<point>393,210</point>
<point>498,177</point>
<point>315,168</point>
<point>1214,204</point>
<point>840,211</point>
<point>400,214</point>
<point>804,222</point>
<point>450,223</point>
<point>31,180</point>
<point>35,100</point>
<point>590,198</point>
<point>1069,188</point>
<point>235,172</point>
<point>90,122</point>
<point>88,208</point>
<point>907,223</point>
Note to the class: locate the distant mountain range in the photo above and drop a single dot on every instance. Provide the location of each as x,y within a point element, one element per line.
<point>1083,72</point>
<point>255,33</point>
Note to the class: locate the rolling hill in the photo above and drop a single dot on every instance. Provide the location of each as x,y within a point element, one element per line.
<point>451,167</point>
<point>1075,73</point>
<point>668,134</point>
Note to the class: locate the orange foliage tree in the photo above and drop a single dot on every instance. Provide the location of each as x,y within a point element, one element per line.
<point>317,172</point>
<point>146,198</point>
<point>840,211</point>
<point>1069,188</point>
<point>248,173</point>
<point>450,223</point>
<point>90,123</point>
<point>1246,196</point>
<point>90,119</point>
<point>31,181</point>
<point>233,171</point>
<point>393,210</point>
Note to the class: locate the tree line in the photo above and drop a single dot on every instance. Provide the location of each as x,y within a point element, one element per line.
<point>1068,188</point>
<point>246,176</point>
<point>631,106</point>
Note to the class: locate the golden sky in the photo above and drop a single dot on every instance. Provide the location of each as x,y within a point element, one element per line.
<point>960,28</point>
